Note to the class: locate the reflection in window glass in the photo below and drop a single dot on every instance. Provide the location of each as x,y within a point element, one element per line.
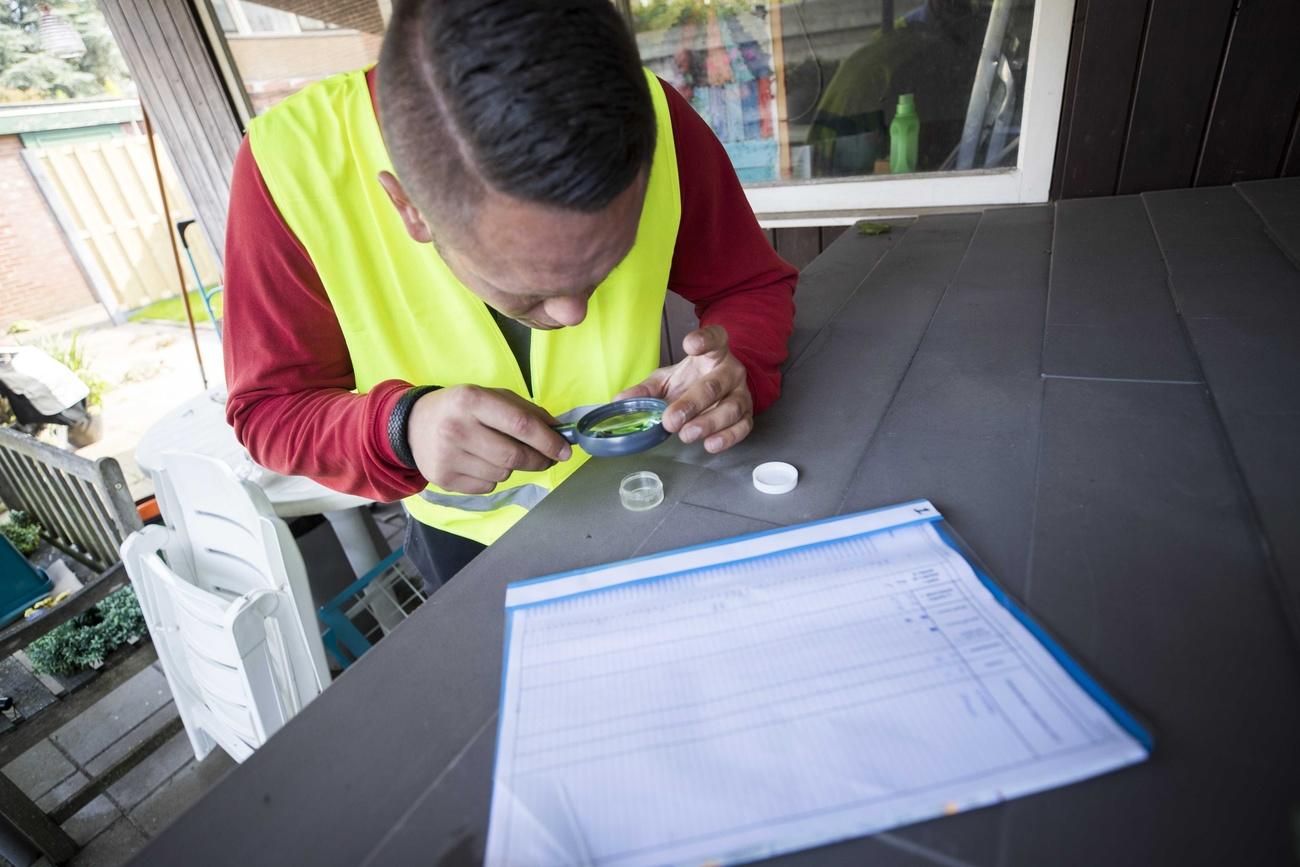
<point>794,89</point>
<point>808,88</point>
<point>264,19</point>
<point>284,45</point>
<point>224,18</point>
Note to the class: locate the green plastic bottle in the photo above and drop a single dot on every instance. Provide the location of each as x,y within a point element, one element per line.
<point>903,134</point>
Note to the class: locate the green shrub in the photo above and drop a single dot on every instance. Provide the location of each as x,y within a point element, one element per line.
<point>23,532</point>
<point>86,640</point>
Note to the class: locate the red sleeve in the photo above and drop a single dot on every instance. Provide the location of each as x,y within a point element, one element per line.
<point>288,372</point>
<point>723,262</point>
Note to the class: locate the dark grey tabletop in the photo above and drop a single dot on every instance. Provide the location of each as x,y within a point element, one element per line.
<point>1103,397</point>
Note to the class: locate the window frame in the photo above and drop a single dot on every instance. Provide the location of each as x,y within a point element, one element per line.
<point>837,201</point>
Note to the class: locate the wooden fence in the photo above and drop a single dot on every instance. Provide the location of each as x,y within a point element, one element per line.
<point>105,196</point>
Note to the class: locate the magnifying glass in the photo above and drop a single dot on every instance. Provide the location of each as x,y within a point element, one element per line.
<point>623,427</point>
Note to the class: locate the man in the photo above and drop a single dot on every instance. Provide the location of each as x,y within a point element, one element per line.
<point>411,299</point>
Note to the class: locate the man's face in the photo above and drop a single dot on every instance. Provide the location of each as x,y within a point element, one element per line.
<point>536,264</point>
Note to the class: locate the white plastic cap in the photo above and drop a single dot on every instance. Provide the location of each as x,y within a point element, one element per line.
<point>775,477</point>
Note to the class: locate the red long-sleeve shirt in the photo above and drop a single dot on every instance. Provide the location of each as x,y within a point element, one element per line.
<point>289,375</point>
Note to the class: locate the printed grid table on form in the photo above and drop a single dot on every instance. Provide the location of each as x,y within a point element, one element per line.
<point>772,693</point>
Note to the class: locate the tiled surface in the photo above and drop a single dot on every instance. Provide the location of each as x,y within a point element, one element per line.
<point>113,847</point>
<point>1111,315</point>
<point>39,769</point>
<point>1232,266</point>
<point>29,694</point>
<point>64,790</point>
<point>1179,620</point>
<point>1278,205</point>
<point>1220,257</point>
<point>115,825</point>
<point>1121,505</point>
<point>180,792</point>
<point>108,720</point>
<point>91,819</point>
<point>143,779</point>
<point>131,739</point>
<point>1117,503</point>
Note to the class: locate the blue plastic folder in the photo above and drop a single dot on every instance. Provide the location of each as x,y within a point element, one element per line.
<point>773,692</point>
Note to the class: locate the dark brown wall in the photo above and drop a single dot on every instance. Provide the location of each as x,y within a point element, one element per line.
<point>1164,94</point>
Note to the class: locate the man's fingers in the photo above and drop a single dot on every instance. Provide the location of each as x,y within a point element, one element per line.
<point>652,386</point>
<point>468,485</point>
<point>524,404</point>
<point>641,390</point>
<point>726,413</point>
<point>702,395</point>
<point>710,340</point>
<point>462,465</point>
<point>518,420</point>
<point>725,439</point>
<point>503,454</point>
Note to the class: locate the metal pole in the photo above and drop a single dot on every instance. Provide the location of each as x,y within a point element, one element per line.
<point>979,92</point>
<point>176,253</point>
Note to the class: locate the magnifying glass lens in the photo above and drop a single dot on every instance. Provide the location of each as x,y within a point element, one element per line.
<point>625,423</point>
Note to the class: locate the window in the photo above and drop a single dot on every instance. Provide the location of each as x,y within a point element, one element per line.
<point>274,52</point>
<point>264,19</point>
<point>803,94</point>
<point>305,24</point>
<point>224,18</point>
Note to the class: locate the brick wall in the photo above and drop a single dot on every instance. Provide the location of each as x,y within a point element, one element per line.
<point>39,277</point>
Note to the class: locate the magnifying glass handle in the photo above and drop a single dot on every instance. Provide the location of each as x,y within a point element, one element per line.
<point>569,431</point>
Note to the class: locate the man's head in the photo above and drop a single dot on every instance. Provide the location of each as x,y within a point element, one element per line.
<point>522,133</point>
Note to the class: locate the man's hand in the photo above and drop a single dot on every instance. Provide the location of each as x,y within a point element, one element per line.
<point>468,439</point>
<point>707,393</point>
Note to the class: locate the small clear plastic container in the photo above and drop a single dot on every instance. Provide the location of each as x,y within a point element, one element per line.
<point>641,491</point>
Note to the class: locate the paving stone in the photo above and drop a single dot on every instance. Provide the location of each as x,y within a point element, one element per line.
<point>113,716</point>
<point>92,819</point>
<point>114,847</point>
<point>62,791</point>
<point>39,769</point>
<point>29,694</point>
<point>111,756</point>
<point>147,776</point>
<point>181,792</point>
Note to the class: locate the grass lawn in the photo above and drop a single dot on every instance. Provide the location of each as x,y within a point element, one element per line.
<point>171,309</point>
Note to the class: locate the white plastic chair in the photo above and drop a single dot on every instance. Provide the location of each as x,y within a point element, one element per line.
<point>225,595</point>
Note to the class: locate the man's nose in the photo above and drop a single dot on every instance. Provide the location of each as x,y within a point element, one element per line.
<point>567,310</point>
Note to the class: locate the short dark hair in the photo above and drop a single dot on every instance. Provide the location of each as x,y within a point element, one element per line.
<point>543,100</point>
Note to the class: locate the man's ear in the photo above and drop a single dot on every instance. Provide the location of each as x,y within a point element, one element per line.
<point>416,227</point>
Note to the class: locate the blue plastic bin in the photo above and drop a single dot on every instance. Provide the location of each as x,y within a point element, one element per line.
<point>21,583</point>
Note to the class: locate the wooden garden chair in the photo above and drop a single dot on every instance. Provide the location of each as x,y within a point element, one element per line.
<point>85,511</point>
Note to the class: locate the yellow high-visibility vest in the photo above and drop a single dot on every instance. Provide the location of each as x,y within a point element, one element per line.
<point>404,314</point>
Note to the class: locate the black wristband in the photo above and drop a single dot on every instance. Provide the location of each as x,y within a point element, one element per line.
<point>399,421</point>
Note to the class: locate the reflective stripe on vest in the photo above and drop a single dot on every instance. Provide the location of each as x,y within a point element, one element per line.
<point>523,496</point>
<point>405,316</point>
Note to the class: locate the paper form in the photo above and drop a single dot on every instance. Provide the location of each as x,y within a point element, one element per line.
<point>776,692</point>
